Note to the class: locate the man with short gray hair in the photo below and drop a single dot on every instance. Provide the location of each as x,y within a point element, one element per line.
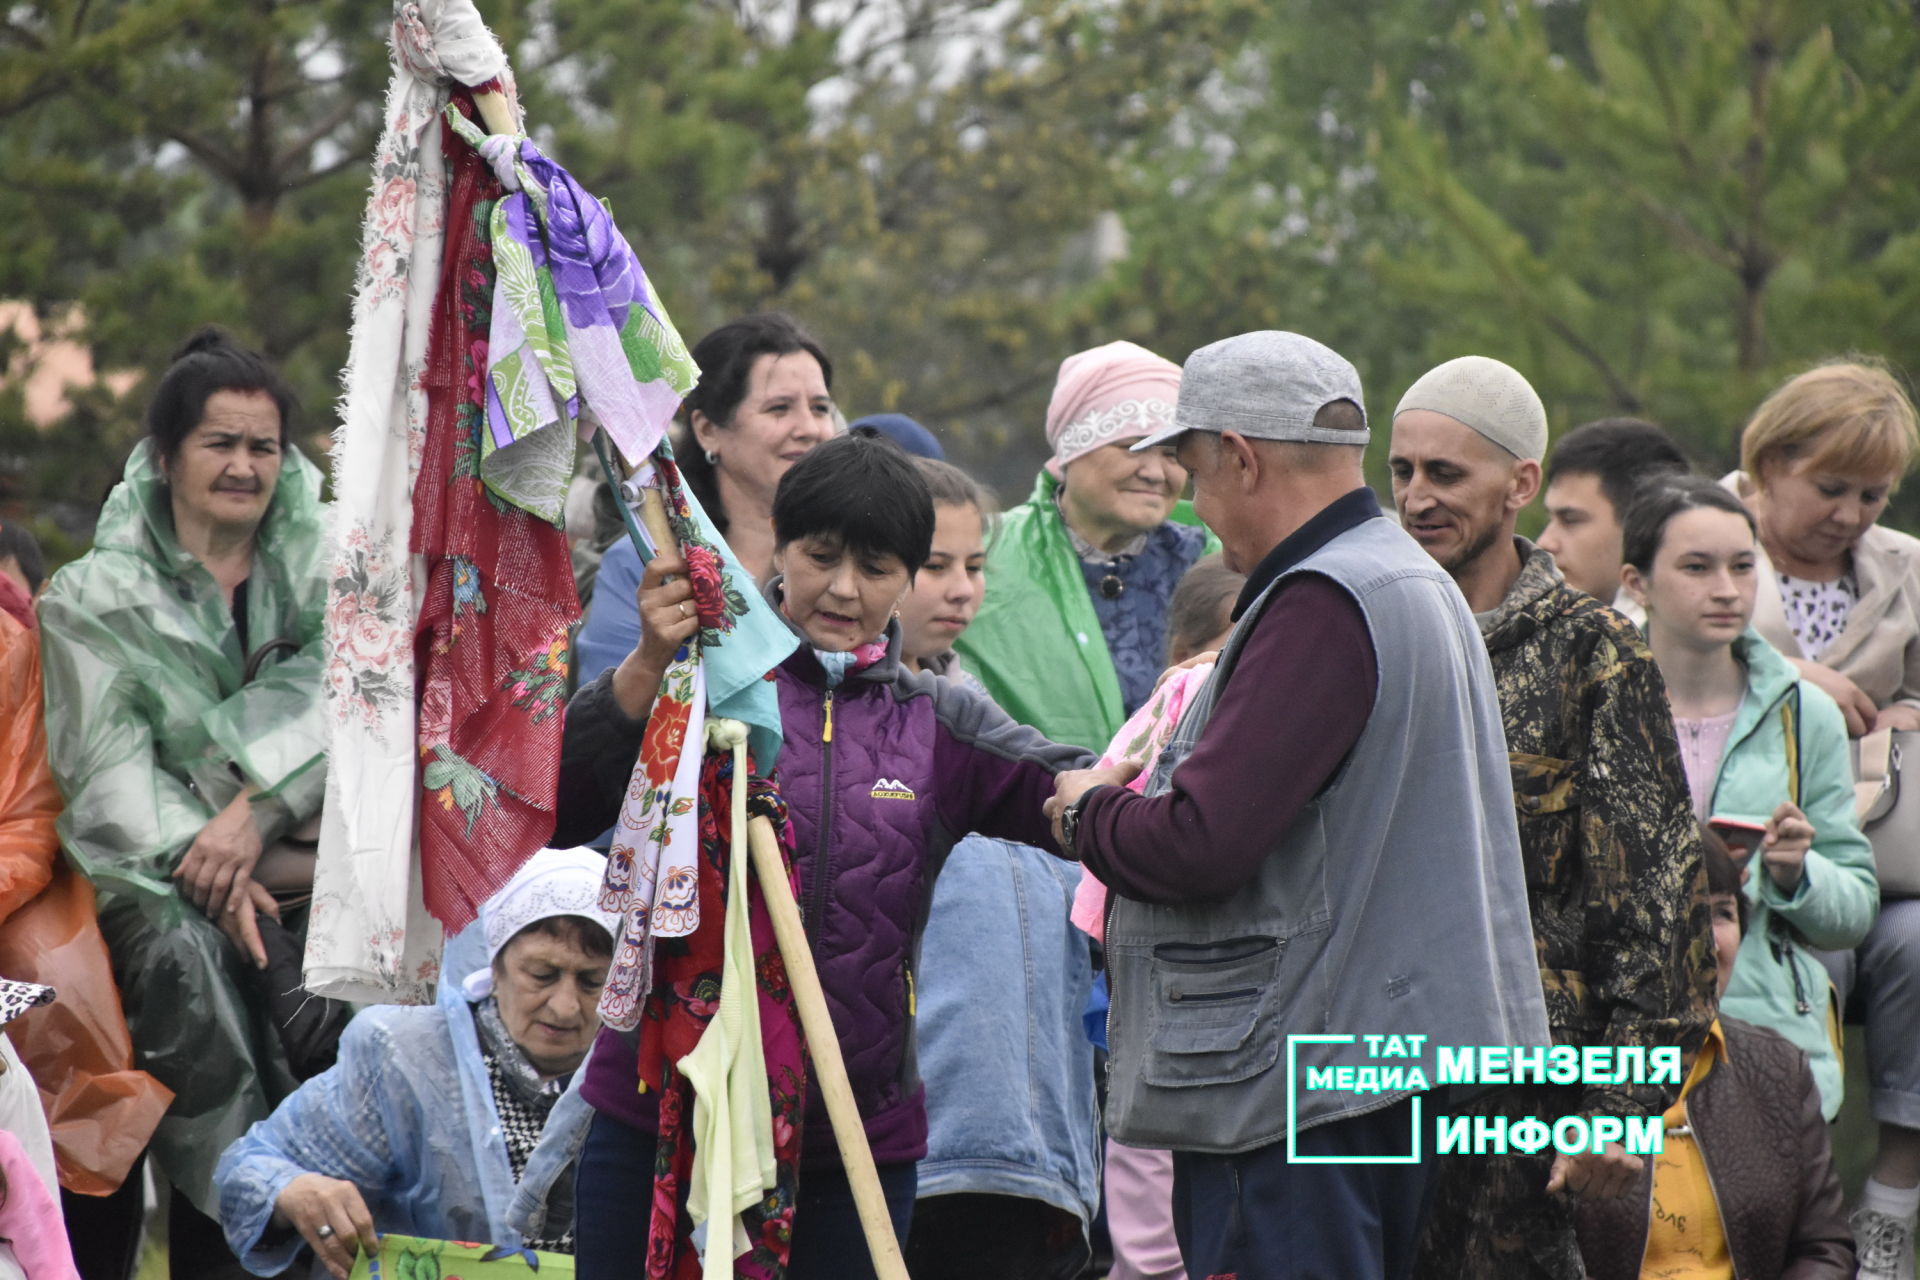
<point>1615,882</point>
<point>1326,848</point>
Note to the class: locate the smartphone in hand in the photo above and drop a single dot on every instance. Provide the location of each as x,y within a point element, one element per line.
<point>1741,835</point>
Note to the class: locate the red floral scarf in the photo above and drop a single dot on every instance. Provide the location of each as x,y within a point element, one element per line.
<point>491,643</point>
<point>685,997</point>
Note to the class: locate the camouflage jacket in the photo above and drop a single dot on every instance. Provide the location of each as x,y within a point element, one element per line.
<point>1607,833</point>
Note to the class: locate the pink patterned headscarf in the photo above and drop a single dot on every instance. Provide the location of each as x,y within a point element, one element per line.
<point>1117,392</point>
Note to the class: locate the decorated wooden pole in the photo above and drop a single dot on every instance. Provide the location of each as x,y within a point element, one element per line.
<point>810,1000</point>
<point>829,1069</point>
<point>816,1020</point>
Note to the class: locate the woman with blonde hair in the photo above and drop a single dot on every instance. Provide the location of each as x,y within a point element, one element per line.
<point>1839,595</point>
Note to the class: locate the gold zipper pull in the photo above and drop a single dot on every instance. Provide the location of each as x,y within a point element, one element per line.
<point>826,735</point>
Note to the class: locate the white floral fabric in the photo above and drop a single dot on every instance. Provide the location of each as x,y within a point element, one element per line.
<point>1817,611</point>
<point>371,938</point>
<point>1127,420</point>
<point>653,876</point>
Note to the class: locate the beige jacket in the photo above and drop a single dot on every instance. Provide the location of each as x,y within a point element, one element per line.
<point>1879,649</point>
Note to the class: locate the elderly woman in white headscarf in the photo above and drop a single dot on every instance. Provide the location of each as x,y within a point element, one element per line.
<point>426,1124</point>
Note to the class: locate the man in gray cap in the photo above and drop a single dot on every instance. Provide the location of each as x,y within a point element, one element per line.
<point>1326,849</point>
<point>1615,881</point>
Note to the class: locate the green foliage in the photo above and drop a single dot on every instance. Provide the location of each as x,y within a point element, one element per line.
<point>1653,207</point>
<point>1649,207</point>
<point>1669,208</point>
<point>908,182</point>
<point>175,162</point>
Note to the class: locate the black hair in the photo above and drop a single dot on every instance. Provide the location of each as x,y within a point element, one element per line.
<point>1723,874</point>
<point>949,486</point>
<point>725,358</point>
<point>1202,604</point>
<point>1622,453</point>
<point>861,491</point>
<point>1656,506</point>
<point>208,362</point>
<point>589,935</point>
<point>1341,415</point>
<point>19,543</point>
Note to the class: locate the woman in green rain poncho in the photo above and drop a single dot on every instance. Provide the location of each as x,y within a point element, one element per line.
<point>184,727</point>
<point>1073,636</point>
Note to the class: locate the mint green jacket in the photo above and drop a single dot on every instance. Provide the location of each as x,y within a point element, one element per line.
<point>1789,736</point>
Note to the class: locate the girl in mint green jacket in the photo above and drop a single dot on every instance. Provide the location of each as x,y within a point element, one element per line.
<point>1762,747</point>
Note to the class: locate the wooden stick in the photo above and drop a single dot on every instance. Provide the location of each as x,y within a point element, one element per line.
<point>494,112</point>
<point>653,514</point>
<point>816,1020</point>
<point>824,1044</point>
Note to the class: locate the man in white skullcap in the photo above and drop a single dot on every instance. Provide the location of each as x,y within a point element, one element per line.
<point>1615,882</point>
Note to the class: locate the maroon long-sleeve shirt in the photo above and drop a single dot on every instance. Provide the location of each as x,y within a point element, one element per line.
<point>1293,708</point>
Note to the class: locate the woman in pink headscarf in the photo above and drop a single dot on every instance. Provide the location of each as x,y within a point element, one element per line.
<point>1071,639</point>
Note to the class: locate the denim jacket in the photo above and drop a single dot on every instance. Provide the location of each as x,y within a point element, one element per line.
<point>1009,1072</point>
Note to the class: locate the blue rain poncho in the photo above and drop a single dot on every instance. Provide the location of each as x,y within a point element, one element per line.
<point>407,1115</point>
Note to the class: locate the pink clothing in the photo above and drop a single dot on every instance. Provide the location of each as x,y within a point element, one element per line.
<point>1139,741</point>
<point>1139,1182</point>
<point>1106,395</point>
<point>1702,743</point>
<point>30,1220</point>
<point>16,603</point>
<point>1140,1214</point>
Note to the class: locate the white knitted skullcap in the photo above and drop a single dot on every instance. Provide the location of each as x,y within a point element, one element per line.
<point>1488,396</point>
<point>553,882</point>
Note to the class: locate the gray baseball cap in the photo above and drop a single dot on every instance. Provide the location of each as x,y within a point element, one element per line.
<point>1267,386</point>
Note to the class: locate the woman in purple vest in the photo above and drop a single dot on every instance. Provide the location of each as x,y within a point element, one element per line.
<point>884,769</point>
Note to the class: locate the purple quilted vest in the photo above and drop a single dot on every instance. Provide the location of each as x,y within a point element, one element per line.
<point>864,823</point>
<point>912,763</point>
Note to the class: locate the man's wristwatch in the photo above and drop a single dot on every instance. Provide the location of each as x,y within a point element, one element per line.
<point>1070,822</point>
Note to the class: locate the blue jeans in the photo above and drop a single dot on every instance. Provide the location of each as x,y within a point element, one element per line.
<point>1879,984</point>
<point>613,1199</point>
<point>1254,1216</point>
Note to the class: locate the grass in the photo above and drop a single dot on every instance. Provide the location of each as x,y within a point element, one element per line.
<point>1853,1129</point>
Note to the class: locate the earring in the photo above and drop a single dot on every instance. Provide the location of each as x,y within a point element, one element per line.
<point>713,459</point>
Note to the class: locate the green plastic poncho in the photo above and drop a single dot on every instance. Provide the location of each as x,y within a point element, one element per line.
<point>151,730</point>
<point>1036,644</point>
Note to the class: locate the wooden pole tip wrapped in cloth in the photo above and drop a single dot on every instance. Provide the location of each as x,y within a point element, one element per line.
<point>581,347</point>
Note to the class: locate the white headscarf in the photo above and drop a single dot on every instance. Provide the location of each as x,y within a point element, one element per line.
<point>554,882</point>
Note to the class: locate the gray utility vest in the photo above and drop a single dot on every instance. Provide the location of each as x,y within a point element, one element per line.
<point>1395,903</point>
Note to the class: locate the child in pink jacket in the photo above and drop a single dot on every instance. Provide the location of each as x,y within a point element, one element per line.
<point>33,1235</point>
<point>1139,1183</point>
